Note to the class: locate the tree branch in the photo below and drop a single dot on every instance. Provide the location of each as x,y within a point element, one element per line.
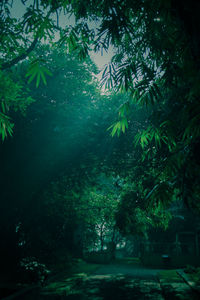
<point>17,59</point>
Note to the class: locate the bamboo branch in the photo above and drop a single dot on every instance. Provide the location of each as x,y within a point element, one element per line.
<point>17,59</point>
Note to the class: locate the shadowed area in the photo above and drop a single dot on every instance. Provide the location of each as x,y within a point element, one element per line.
<point>100,164</point>
<point>121,281</point>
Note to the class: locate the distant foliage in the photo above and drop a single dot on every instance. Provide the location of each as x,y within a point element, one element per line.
<point>14,97</point>
<point>155,66</point>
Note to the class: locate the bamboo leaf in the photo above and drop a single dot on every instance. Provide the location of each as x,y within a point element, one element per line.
<point>43,78</point>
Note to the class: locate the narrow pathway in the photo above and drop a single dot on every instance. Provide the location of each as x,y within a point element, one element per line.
<point>114,282</point>
<point>135,271</point>
<point>120,282</point>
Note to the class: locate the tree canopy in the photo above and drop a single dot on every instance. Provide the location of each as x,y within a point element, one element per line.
<point>144,133</point>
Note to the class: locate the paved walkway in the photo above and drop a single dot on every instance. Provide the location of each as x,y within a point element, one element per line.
<point>135,271</point>
<point>114,282</point>
<point>120,282</point>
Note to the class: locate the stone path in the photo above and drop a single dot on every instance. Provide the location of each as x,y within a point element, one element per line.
<point>108,287</point>
<point>120,282</point>
<point>115,282</point>
<point>137,271</point>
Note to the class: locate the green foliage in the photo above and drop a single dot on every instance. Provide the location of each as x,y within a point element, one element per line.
<point>155,136</point>
<point>97,210</point>
<point>140,210</point>
<point>59,148</point>
<point>35,21</point>
<point>14,97</point>
<point>122,124</point>
<point>119,126</point>
<point>77,39</point>
<point>37,71</point>
<point>155,65</point>
<point>6,127</point>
